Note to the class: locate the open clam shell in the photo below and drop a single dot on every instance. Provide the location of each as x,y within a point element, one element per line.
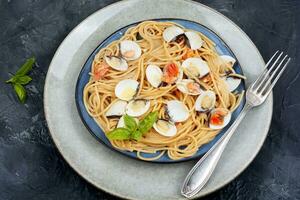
<point>188,86</point>
<point>177,111</point>
<point>154,75</point>
<point>194,40</point>
<point>205,101</point>
<point>165,128</point>
<point>130,50</point>
<point>232,82</point>
<point>116,63</point>
<point>195,67</point>
<point>116,109</point>
<point>136,108</point>
<point>219,118</point>
<point>228,60</point>
<point>171,33</point>
<point>126,89</point>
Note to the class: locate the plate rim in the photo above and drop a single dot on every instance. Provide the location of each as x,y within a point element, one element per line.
<point>170,161</point>
<point>45,101</point>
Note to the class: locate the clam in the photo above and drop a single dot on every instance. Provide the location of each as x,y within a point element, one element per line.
<point>172,73</point>
<point>165,128</point>
<point>177,111</point>
<point>136,108</point>
<point>228,60</point>
<point>154,75</point>
<point>195,67</point>
<point>116,109</point>
<point>121,123</point>
<point>194,40</point>
<point>219,118</point>
<point>205,101</point>
<point>116,63</point>
<point>130,50</point>
<point>232,82</point>
<point>188,86</point>
<point>171,33</point>
<point>126,89</point>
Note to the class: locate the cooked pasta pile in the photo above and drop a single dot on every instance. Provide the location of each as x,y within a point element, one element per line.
<point>99,93</point>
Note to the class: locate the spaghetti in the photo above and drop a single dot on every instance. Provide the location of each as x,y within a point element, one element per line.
<point>99,93</point>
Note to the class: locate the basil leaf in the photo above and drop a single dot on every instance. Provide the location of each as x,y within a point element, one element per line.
<point>11,80</point>
<point>130,123</point>
<point>146,124</point>
<point>26,67</point>
<point>21,92</point>
<point>132,130</point>
<point>119,134</point>
<point>23,80</point>
<point>136,135</point>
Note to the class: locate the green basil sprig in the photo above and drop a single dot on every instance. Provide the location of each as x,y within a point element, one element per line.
<point>132,130</point>
<point>21,78</point>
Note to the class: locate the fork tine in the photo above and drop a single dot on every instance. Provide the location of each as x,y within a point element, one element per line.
<point>263,74</point>
<point>267,74</point>
<point>264,71</point>
<point>268,80</point>
<point>269,89</point>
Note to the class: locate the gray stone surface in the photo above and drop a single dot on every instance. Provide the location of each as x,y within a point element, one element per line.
<point>32,168</point>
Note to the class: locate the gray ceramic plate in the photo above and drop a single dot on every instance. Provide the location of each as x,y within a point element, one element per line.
<point>111,171</point>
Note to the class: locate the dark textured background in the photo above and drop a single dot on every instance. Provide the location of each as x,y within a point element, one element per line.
<point>32,168</point>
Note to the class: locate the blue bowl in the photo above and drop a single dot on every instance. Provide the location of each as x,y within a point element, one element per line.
<point>84,77</point>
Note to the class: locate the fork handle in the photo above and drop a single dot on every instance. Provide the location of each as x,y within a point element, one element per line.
<point>201,172</point>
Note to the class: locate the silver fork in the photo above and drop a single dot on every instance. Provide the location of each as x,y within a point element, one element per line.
<point>256,94</point>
